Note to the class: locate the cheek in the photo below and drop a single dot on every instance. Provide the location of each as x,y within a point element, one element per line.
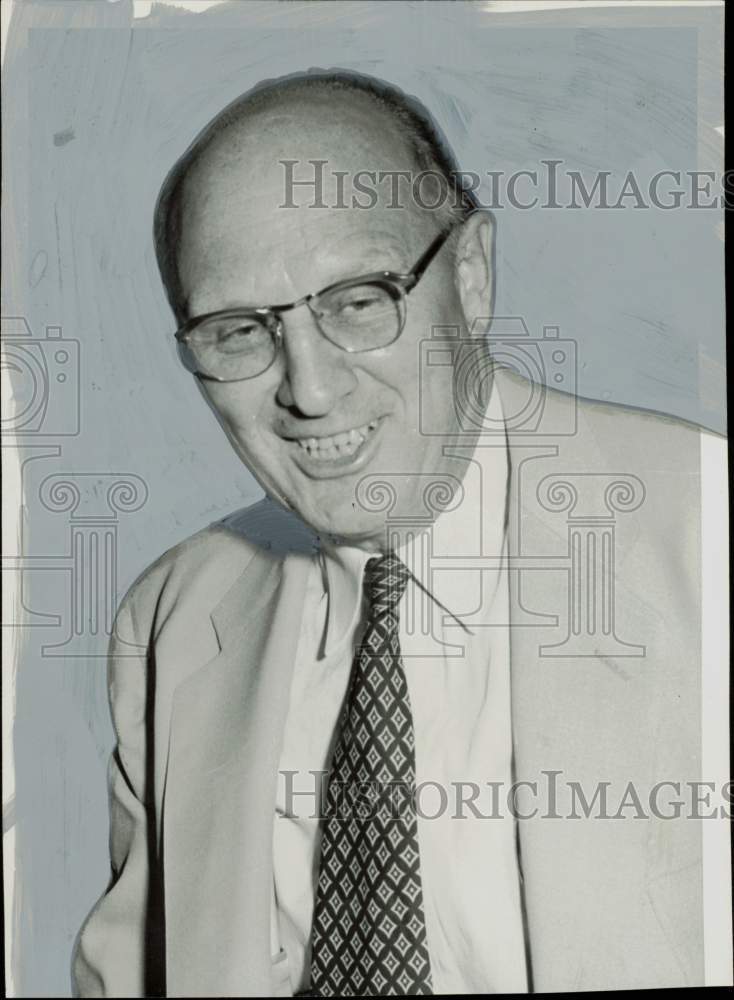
<point>430,322</point>
<point>423,383</point>
<point>241,411</point>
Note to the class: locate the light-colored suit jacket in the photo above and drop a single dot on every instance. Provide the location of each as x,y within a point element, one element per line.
<point>605,645</point>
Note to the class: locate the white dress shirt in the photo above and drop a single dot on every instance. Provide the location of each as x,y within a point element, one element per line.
<point>458,683</point>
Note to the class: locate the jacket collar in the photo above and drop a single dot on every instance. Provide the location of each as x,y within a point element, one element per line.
<point>473,527</point>
<point>225,740</point>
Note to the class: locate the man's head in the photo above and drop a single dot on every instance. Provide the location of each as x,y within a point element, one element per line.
<point>230,235</point>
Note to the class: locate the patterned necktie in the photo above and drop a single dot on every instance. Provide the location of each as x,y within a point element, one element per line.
<point>369,934</point>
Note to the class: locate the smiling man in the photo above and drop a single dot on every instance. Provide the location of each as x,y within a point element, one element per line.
<point>332,378</point>
<point>318,706</point>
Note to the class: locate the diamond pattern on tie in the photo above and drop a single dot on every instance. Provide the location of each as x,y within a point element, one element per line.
<point>369,935</point>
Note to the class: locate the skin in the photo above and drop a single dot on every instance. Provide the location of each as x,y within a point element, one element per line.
<point>238,247</point>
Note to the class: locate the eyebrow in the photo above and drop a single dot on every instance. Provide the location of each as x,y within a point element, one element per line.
<point>391,257</point>
<point>349,274</point>
<point>340,273</point>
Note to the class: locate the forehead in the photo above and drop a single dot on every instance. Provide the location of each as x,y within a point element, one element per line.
<point>241,210</point>
<point>348,134</point>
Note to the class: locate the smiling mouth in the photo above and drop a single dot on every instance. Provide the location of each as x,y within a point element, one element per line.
<point>337,446</point>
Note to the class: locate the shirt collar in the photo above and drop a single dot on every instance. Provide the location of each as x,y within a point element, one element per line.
<point>472,528</point>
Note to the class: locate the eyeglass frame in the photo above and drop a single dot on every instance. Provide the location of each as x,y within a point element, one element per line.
<point>404,283</point>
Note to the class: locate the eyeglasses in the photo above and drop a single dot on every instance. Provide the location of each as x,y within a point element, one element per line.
<point>357,315</point>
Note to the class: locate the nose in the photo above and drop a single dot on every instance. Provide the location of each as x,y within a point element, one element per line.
<point>317,374</point>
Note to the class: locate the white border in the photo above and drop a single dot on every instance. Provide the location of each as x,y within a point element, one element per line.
<point>717,892</point>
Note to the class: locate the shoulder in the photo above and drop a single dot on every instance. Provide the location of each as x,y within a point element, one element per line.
<point>532,409</point>
<point>649,422</point>
<point>675,453</point>
<point>192,577</point>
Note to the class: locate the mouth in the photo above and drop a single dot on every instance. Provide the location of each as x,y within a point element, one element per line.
<point>336,454</point>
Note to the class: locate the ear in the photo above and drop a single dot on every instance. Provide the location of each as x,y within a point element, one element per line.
<point>475,268</point>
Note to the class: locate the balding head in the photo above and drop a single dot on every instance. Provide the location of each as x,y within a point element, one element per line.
<point>242,257</point>
<point>354,123</point>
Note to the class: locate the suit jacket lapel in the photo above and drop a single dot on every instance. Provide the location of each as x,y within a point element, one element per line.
<point>600,895</point>
<point>226,734</point>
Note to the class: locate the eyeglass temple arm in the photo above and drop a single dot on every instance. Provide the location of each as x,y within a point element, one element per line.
<point>422,264</point>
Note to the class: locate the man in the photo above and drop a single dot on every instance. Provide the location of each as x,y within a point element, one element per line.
<point>425,600</point>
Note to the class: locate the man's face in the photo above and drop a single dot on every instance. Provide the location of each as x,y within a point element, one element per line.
<point>320,419</point>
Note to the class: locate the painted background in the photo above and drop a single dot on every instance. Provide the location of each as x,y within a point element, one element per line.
<point>98,104</point>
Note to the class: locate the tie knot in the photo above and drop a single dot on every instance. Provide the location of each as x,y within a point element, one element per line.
<point>385,581</point>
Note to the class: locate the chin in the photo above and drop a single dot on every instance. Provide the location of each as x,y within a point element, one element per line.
<point>344,525</point>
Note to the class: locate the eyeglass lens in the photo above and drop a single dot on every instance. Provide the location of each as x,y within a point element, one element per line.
<point>355,317</point>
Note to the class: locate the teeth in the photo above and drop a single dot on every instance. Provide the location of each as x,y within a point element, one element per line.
<point>327,449</point>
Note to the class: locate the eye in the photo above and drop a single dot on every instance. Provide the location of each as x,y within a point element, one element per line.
<point>357,301</point>
<point>246,335</point>
<point>231,335</point>
<point>240,332</point>
<point>360,300</point>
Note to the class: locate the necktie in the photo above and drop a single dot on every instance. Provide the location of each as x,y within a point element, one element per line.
<point>369,935</point>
